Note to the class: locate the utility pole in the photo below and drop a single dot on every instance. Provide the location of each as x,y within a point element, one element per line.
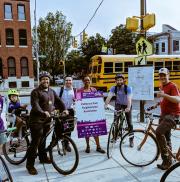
<point>37,47</point>
<point>142,13</point>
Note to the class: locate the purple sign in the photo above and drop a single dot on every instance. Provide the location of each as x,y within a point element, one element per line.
<point>90,114</point>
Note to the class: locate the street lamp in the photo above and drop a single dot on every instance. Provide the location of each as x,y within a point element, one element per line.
<point>36,47</point>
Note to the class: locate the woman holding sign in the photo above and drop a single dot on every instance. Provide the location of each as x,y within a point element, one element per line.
<point>88,88</point>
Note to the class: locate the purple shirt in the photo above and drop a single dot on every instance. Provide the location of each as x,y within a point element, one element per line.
<point>1,120</point>
<point>121,97</point>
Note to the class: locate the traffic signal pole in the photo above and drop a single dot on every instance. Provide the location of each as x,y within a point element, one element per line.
<point>142,13</point>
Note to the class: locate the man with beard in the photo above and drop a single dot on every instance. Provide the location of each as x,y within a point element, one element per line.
<point>43,102</point>
<point>123,100</point>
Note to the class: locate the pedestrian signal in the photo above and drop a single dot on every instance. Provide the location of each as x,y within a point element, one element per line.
<point>75,43</point>
<point>132,24</point>
<point>148,21</point>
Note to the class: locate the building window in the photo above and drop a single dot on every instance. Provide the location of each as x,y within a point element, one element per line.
<point>1,69</point>
<point>12,85</point>
<point>8,11</point>
<point>157,48</point>
<point>22,37</point>
<point>24,67</point>
<point>163,47</point>
<point>25,83</point>
<point>21,12</point>
<point>175,45</point>
<point>9,36</point>
<point>11,67</point>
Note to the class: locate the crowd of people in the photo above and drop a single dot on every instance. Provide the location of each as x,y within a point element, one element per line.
<point>44,100</point>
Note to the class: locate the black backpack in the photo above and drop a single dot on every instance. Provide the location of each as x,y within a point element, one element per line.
<point>125,89</point>
<point>62,90</point>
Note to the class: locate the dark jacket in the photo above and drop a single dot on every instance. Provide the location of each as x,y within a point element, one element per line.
<point>42,101</point>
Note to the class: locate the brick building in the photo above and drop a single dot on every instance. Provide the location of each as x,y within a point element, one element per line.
<point>16,63</point>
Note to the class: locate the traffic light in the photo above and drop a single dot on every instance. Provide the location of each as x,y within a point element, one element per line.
<point>132,24</point>
<point>74,43</point>
<point>148,21</point>
<point>85,36</point>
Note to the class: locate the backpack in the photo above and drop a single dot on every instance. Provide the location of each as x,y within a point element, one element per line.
<point>62,90</point>
<point>125,89</point>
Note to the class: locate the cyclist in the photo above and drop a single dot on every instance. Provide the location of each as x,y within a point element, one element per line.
<point>123,95</point>
<point>88,88</point>
<point>170,111</point>
<point>67,94</point>
<point>15,107</point>
<point>43,102</point>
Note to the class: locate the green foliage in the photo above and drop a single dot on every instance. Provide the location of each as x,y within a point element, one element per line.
<point>54,35</point>
<point>122,40</point>
<point>93,46</point>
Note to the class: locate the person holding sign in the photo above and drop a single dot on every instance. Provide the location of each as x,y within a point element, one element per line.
<point>88,88</point>
<point>123,95</point>
<point>170,113</point>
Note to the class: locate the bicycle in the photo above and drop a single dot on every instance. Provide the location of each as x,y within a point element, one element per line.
<point>117,130</point>
<point>64,162</point>
<point>172,174</point>
<point>5,174</point>
<point>145,148</point>
<point>15,148</point>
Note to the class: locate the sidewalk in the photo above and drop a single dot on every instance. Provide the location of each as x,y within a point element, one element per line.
<point>95,167</point>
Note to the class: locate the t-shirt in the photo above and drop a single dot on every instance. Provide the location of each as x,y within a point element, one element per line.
<point>121,96</point>
<point>168,107</point>
<point>14,106</point>
<point>1,120</point>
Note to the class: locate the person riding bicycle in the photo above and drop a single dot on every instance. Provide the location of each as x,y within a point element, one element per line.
<point>15,107</point>
<point>170,113</point>
<point>43,102</point>
<point>123,95</point>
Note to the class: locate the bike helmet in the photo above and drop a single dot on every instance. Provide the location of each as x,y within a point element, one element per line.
<point>119,76</point>
<point>12,92</point>
<point>44,74</point>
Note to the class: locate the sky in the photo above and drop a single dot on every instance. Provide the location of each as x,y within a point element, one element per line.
<point>111,13</point>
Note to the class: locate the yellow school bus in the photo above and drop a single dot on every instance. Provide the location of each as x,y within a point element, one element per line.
<point>103,68</point>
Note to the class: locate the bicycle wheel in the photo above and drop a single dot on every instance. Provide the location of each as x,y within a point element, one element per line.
<point>145,150</point>
<point>15,150</point>
<point>64,162</point>
<point>5,174</point>
<point>111,141</point>
<point>172,174</point>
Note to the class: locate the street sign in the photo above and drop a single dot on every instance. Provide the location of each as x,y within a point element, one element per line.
<point>144,47</point>
<point>141,60</point>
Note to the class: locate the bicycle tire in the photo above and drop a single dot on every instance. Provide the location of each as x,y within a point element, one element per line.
<point>169,172</point>
<point>10,152</point>
<point>110,139</point>
<point>142,154</point>
<point>56,163</point>
<point>9,177</point>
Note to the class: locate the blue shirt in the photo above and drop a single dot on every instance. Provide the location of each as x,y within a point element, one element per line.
<point>121,97</point>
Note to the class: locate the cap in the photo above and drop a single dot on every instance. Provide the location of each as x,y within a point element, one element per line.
<point>164,71</point>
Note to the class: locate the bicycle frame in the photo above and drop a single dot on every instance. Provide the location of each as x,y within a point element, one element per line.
<point>149,128</point>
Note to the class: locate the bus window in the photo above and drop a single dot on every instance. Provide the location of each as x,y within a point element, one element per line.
<point>108,67</point>
<point>176,65</point>
<point>168,65</point>
<point>94,69</point>
<point>90,69</point>
<point>150,63</point>
<point>99,69</point>
<point>118,67</point>
<point>158,65</point>
<point>126,65</point>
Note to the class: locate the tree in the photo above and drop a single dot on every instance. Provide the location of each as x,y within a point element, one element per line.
<point>122,40</point>
<point>54,35</point>
<point>93,46</point>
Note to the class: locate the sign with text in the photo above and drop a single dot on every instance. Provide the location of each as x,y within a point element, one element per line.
<point>90,114</point>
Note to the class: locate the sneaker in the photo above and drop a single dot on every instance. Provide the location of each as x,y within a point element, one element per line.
<point>165,164</point>
<point>131,142</point>
<point>68,148</point>
<point>31,170</point>
<point>87,150</point>
<point>100,150</point>
<point>46,160</point>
